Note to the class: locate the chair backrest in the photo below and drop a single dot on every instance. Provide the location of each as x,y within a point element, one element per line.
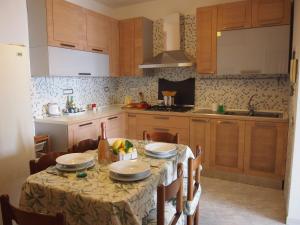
<point>85,145</point>
<point>44,162</point>
<point>166,193</point>
<point>10,213</point>
<point>194,171</point>
<point>161,137</point>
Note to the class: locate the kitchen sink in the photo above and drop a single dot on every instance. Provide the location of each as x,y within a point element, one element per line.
<point>255,114</point>
<point>245,113</point>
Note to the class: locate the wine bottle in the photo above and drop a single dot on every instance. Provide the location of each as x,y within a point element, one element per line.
<point>103,147</point>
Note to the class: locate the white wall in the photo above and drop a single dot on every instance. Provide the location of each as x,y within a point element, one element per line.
<point>16,125</point>
<point>13,22</point>
<point>160,8</point>
<point>93,5</point>
<point>293,217</point>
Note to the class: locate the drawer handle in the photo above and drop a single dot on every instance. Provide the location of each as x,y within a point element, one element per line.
<point>97,50</point>
<point>162,129</point>
<point>199,120</point>
<point>85,124</point>
<point>84,74</point>
<point>233,27</point>
<point>113,118</point>
<point>264,124</point>
<point>67,45</point>
<point>161,118</point>
<point>130,115</point>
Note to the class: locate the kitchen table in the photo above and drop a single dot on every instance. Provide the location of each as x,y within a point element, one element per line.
<point>97,199</point>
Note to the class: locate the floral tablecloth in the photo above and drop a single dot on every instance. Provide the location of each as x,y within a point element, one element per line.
<point>96,199</point>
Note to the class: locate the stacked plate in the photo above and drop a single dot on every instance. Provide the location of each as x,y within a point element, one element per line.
<point>160,150</point>
<point>75,162</point>
<point>129,170</point>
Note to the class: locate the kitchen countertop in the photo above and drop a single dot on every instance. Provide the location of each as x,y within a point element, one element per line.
<point>115,109</point>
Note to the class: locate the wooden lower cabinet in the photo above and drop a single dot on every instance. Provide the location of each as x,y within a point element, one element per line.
<point>200,135</point>
<point>131,126</point>
<point>265,149</point>
<point>85,130</point>
<point>115,125</point>
<point>227,145</point>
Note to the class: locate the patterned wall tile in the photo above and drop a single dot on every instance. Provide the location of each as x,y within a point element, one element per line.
<point>233,91</point>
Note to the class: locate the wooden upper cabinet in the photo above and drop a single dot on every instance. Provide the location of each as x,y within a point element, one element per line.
<point>265,149</point>
<point>227,145</point>
<point>270,12</point>
<point>66,24</point>
<point>136,45</point>
<point>200,135</point>
<point>126,47</point>
<point>114,65</point>
<point>236,15</point>
<point>207,40</point>
<point>97,32</point>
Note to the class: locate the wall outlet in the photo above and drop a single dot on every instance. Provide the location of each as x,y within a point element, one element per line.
<point>68,91</point>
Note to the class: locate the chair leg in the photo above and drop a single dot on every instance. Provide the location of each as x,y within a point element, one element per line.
<point>190,220</point>
<point>196,218</point>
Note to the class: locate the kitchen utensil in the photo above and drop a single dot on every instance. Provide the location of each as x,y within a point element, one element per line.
<point>74,159</point>
<point>53,109</point>
<point>129,167</point>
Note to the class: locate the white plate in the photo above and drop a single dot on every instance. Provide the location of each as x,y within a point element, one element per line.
<point>117,177</point>
<point>164,156</point>
<point>129,167</point>
<point>74,169</point>
<point>160,148</point>
<point>74,159</point>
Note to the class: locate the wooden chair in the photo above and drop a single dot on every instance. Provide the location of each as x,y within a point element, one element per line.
<point>161,137</point>
<point>10,214</point>
<point>44,162</point>
<point>43,139</point>
<point>194,188</point>
<point>165,194</point>
<point>85,145</point>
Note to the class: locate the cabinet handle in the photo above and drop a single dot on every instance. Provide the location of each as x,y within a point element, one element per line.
<point>131,115</point>
<point>260,124</point>
<point>113,118</point>
<point>97,50</point>
<point>273,23</point>
<point>234,27</point>
<point>227,122</point>
<point>67,45</point>
<point>161,118</point>
<point>162,129</point>
<point>200,120</point>
<point>84,74</point>
<point>85,124</point>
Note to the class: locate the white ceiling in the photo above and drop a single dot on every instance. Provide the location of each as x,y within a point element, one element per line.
<point>121,3</point>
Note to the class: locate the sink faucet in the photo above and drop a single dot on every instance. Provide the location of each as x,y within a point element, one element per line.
<point>251,106</point>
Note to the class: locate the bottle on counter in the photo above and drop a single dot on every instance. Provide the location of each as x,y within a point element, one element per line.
<point>103,147</point>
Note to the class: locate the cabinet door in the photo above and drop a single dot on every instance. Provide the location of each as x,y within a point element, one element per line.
<point>86,130</point>
<point>265,149</point>
<point>132,126</point>
<point>200,135</point>
<point>127,47</point>
<point>270,12</point>
<point>227,145</point>
<point>114,48</point>
<point>66,24</point>
<point>97,32</point>
<point>138,46</point>
<point>235,15</point>
<point>206,40</point>
<point>115,126</point>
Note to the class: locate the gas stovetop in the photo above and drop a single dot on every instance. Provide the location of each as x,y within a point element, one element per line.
<point>174,108</point>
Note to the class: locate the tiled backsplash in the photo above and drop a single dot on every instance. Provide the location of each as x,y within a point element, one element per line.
<point>234,92</point>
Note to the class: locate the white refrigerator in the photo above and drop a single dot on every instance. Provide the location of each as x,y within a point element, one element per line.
<point>16,122</point>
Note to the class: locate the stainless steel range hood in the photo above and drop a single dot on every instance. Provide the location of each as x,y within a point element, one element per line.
<point>173,56</point>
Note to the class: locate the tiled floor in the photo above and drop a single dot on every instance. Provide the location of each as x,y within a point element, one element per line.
<point>230,203</point>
